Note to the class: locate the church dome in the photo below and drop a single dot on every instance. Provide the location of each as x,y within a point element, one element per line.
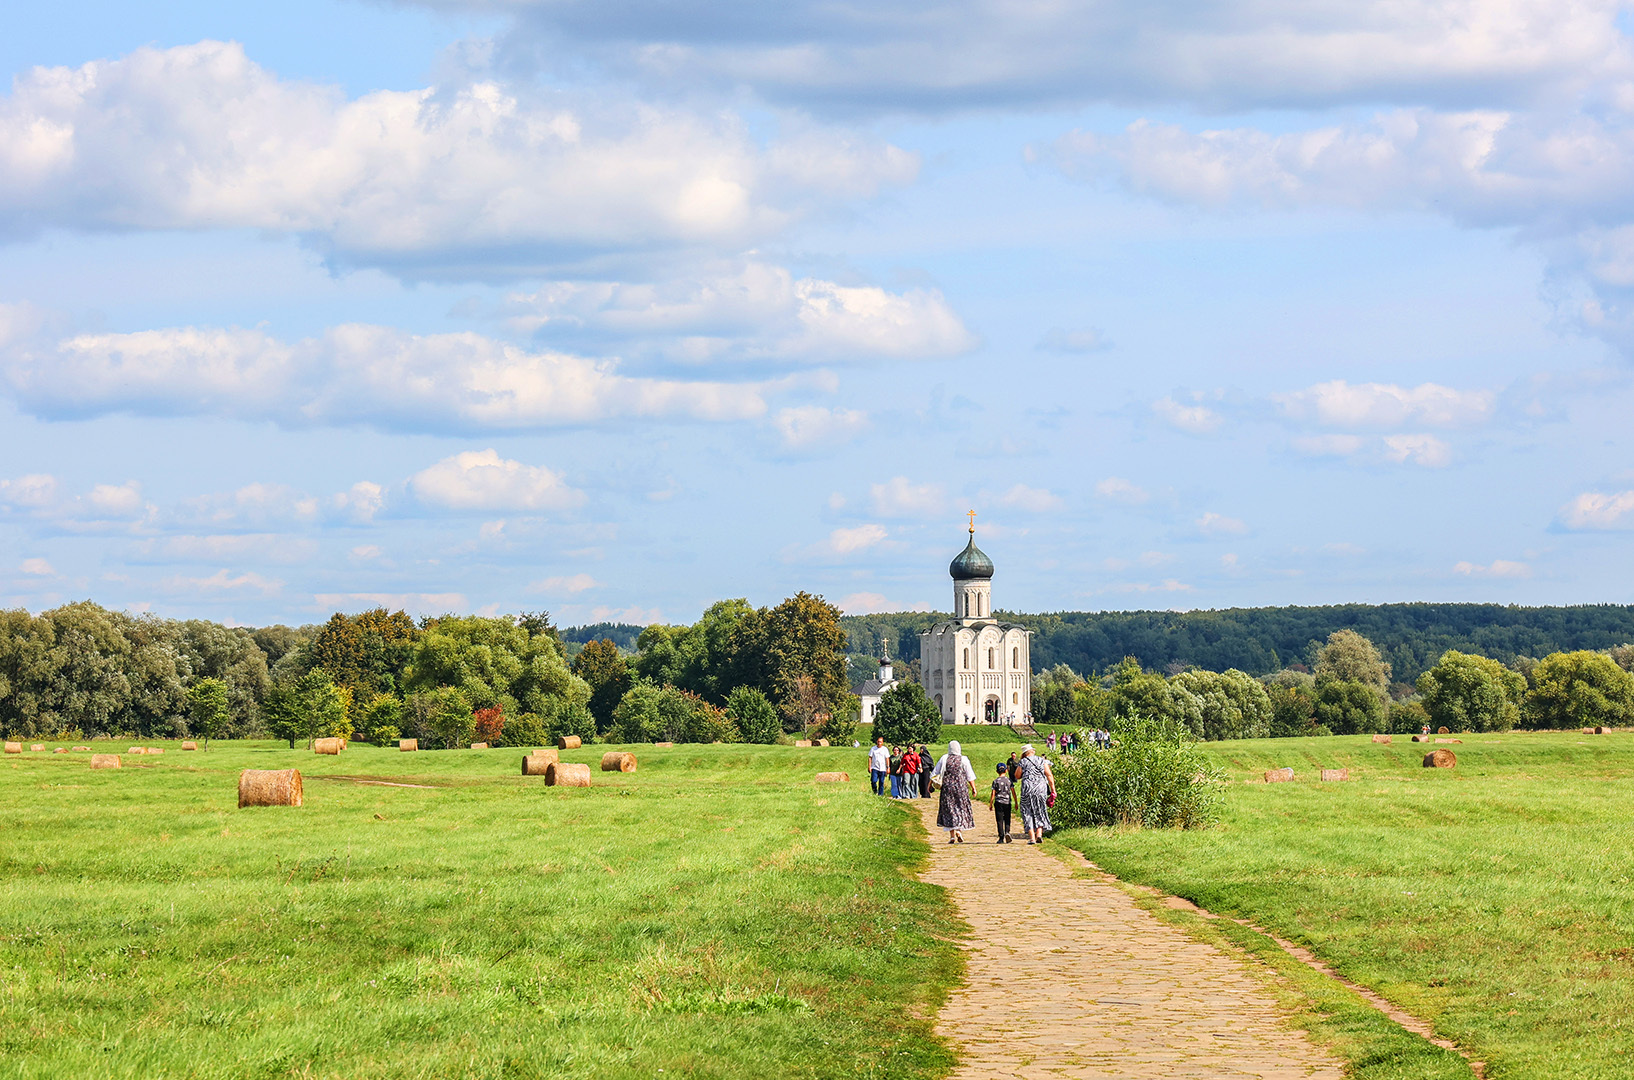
<point>971,563</point>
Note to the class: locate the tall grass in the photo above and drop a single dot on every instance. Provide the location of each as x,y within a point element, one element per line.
<point>714,914</point>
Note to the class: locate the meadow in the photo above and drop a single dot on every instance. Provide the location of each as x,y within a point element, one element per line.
<point>714,914</point>
<point>1494,899</point>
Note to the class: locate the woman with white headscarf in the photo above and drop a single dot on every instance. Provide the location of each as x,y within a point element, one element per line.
<point>1037,793</point>
<point>957,779</point>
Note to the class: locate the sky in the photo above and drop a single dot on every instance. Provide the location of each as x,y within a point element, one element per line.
<point>616,309</point>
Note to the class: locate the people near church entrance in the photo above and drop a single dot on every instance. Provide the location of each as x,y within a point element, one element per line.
<point>956,778</point>
<point>926,764</point>
<point>879,765</point>
<point>1003,791</point>
<point>1037,794</point>
<point>910,773</point>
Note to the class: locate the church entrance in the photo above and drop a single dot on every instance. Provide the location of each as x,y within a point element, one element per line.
<point>990,712</point>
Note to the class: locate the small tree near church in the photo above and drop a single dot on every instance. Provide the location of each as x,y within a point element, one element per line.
<point>906,715</point>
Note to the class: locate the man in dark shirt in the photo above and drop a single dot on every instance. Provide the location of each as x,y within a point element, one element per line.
<point>1003,792</point>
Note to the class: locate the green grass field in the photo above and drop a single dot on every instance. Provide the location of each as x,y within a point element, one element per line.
<point>1495,899</point>
<point>714,914</point>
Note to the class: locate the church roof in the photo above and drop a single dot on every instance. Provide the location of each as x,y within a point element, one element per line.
<point>871,687</point>
<point>971,563</point>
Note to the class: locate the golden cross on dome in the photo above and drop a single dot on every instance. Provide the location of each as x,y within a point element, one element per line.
<point>972,523</point>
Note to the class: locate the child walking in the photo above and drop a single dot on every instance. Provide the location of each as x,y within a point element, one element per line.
<point>1003,791</point>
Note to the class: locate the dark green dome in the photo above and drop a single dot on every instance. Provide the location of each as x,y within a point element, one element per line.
<point>971,563</point>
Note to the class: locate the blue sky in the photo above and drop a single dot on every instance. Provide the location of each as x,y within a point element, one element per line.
<point>616,309</point>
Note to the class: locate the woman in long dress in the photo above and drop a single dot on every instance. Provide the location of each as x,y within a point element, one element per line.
<point>1037,789</point>
<point>956,778</point>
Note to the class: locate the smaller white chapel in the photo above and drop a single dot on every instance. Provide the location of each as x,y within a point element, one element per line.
<point>976,669</point>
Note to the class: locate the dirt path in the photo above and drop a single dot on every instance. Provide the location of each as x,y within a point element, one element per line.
<point>1068,978</point>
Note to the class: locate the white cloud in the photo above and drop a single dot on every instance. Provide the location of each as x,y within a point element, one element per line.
<point>38,567</point>
<point>897,498</point>
<point>445,180</point>
<point>361,502</point>
<point>1194,419</point>
<point>1036,500</point>
<point>871,603</point>
<point>850,541</point>
<point>806,427</point>
<point>482,480</point>
<point>33,492</point>
<point>1117,489</point>
<point>222,581</point>
<point>1212,524</point>
<point>574,584</point>
<point>353,374</point>
<point>1498,568</point>
<point>1339,404</point>
<point>1595,510</point>
<point>415,603</point>
<point>635,616</point>
<point>1425,450</point>
<point>750,310</point>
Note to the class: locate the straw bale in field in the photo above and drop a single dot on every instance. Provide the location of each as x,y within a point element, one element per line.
<point>408,744</point>
<point>190,745</point>
<point>155,750</point>
<point>36,747</point>
<point>326,746</point>
<point>1450,740</point>
<point>1442,731</point>
<point>568,742</point>
<point>833,778</point>
<point>822,742</point>
<point>567,774</point>
<point>479,746</point>
<point>14,748</point>
<point>1279,776</point>
<point>538,763</point>
<point>1595,730</point>
<point>618,761</point>
<point>77,749</point>
<point>1382,739</point>
<point>802,742</point>
<point>269,787</point>
<point>1332,775</point>
<point>1440,759</point>
<point>664,745</point>
<point>1421,738</point>
<point>104,761</point>
<point>60,750</point>
<point>136,750</point>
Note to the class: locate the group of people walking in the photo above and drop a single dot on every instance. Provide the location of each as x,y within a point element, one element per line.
<point>1026,778</point>
<point>1067,741</point>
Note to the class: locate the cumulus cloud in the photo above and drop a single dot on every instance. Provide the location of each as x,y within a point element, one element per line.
<point>1117,489</point>
<point>1213,524</point>
<point>40,496</point>
<point>985,53</point>
<point>1498,568</point>
<point>1194,419</point>
<point>459,181</point>
<point>750,310</point>
<point>807,427</point>
<point>872,603</point>
<point>1597,510</point>
<point>352,374</point>
<point>38,567</point>
<point>481,480</point>
<point>1385,405</point>
<point>1423,450</point>
<point>841,543</point>
<point>899,498</point>
<point>1036,500</point>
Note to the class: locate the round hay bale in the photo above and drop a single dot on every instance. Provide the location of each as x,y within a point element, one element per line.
<point>1440,759</point>
<point>1335,775</point>
<point>1442,731</point>
<point>822,742</point>
<point>36,747</point>
<point>1449,740</point>
<point>833,778</point>
<point>618,761</point>
<point>14,748</point>
<point>568,742</point>
<point>326,746</point>
<point>802,742</point>
<point>77,749</point>
<point>1279,776</point>
<point>104,761</point>
<point>136,750</point>
<point>269,787</point>
<point>1385,739</point>
<point>567,774</point>
<point>155,750</point>
<point>406,745</point>
<point>60,750</point>
<point>1421,738</point>
<point>190,745</point>
<point>538,763</point>
<point>479,746</point>
<point>663,745</point>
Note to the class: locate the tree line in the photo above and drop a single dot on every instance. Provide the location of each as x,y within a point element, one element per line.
<point>740,673</point>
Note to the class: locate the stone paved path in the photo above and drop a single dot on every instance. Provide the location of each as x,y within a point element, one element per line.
<point>1068,978</point>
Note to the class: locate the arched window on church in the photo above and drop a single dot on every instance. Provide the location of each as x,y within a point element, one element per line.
<point>1015,656</point>
<point>981,603</point>
<point>990,664</point>
<point>967,659</point>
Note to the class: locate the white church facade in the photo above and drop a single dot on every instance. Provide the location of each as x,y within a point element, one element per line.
<point>978,670</point>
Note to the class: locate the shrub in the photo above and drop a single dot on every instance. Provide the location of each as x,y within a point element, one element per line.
<point>1471,693</point>
<point>755,717</point>
<point>651,713</point>
<point>440,718</point>
<point>906,715</point>
<point>527,729</point>
<point>571,718</point>
<point>1579,689</point>
<point>1349,706</point>
<point>489,725</point>
<point>1153,776</point>
<point>380,721</point>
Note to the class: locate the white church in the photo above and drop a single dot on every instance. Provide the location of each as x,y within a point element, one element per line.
<point>976,669</point>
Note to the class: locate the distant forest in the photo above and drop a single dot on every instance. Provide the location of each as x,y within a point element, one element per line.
<point>1411,637</point>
